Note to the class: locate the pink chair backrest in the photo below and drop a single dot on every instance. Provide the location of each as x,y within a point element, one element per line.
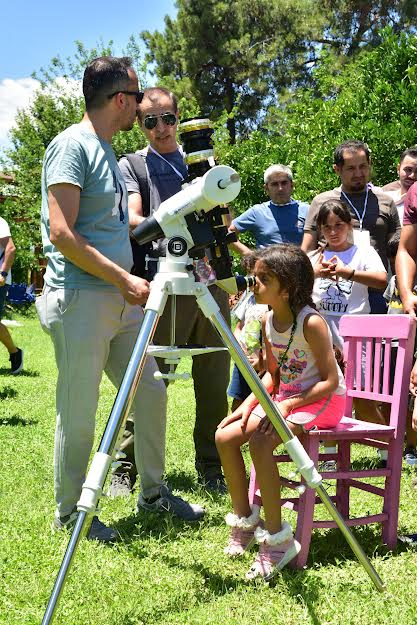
<point>370,338</point>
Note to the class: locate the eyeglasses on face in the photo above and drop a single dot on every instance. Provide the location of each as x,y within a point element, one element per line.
<point>138,95</point>
<point>150,121</point>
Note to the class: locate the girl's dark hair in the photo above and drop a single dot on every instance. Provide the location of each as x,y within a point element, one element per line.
<point>337,207</point>
<point>248,262</point>
<point>294,271</point>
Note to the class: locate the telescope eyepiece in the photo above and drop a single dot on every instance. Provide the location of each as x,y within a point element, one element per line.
<point>245,283</point>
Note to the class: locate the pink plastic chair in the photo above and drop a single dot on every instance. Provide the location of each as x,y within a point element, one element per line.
<point>373,336</point>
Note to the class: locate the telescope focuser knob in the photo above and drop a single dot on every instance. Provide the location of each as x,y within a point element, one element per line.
<point>225,182</point>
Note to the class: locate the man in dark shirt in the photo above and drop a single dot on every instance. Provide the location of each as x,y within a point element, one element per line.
<point>166,172</point>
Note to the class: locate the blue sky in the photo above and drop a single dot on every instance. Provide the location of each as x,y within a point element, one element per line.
<point>36,31</point>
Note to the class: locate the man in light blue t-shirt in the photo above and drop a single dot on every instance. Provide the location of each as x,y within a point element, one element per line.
<point>91,303</point>
<point>281,220</point>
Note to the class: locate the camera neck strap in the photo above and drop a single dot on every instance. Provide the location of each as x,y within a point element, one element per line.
<point>179,174</point>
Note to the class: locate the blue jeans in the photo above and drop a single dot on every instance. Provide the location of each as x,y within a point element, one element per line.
<point>377,303</point>
<point>238,388</point>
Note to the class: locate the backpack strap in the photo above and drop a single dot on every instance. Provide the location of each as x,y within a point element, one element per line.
<point>138,164</point>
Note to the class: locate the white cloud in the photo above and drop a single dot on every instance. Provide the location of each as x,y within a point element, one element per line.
<point>14,95</point>
<point>17,94</point>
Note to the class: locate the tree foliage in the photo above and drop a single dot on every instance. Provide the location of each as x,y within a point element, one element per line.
<point>57,104</point>
<point>355,23</point>
<point>368,95</point>
<point>232,52</point>
<point>372,99</point>
<point>243,56</point>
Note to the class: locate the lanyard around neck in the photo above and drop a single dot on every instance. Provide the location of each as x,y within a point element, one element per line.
<point>365,206</point>
<point>179,174</point>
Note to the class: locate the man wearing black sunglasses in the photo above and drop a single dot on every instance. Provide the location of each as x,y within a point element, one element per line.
<point>91,304</point>
<point>153,175</point>
<point>138,95</point>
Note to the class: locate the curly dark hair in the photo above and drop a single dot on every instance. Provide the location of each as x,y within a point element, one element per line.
<point>294,271</point>
<point>248,262</point>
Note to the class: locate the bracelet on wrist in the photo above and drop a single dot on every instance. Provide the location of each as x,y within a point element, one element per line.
<point>350,276</point>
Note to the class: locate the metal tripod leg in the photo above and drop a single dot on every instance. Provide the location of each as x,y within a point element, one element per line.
<point>102,459</point>
<point>295,449</point>
<point>100,465</point>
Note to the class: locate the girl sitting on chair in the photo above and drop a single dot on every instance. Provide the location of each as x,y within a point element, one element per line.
<point>309,390</point>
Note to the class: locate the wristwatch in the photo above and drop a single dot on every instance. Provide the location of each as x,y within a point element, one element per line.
<point>4,274</point>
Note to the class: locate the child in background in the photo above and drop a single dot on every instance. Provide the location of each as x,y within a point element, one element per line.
<point>248,332</point>
<point>342,270</point>
<point>308,388</point>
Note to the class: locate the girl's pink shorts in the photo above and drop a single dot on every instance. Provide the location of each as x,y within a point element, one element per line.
<point>321,415</point>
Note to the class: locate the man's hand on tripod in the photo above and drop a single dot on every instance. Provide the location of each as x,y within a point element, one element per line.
<point>135,290</point>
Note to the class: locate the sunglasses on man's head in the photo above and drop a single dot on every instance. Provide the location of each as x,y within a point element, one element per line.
<point>137,94</point>
<point>150,121</point>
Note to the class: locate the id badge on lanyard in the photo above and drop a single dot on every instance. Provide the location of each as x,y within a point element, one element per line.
<point>361,237</point>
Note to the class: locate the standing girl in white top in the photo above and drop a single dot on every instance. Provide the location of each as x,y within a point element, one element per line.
<point>308,387</point>
<point>342,270</point>
<point>343,273</point>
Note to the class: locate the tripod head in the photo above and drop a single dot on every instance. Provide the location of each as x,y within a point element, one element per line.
<point>193,219</point>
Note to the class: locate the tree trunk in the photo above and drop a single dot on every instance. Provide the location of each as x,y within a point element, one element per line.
<point>229,103</point>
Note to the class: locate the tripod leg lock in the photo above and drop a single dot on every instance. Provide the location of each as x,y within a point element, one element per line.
<point>94,481</point>
<point>171,376</point>
<point>304,463</point>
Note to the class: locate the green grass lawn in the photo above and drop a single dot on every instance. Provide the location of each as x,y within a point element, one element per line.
<point>164,572</point>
